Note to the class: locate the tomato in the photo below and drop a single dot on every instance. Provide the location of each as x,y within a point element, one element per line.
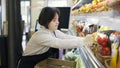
<point>79,28</point>
<point>102,40</point>
<point>104,44</point>
<point>105,51</point>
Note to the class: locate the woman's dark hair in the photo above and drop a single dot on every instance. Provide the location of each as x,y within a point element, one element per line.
<point>46,15</point>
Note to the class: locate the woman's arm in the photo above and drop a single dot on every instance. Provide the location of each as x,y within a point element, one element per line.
<point>62,35</point>
<point>50,41</point>
<point>46,39</point>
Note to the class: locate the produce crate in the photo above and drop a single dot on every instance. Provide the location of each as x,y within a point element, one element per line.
<point>107,63</point>
<point>98,55</point>
<point>102,58</point>
<point>56,63</point>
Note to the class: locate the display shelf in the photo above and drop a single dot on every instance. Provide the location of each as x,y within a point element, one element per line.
<point>109,19</point>
<point>102,13</point>
<point>114,23</point>
<point>88,58</point>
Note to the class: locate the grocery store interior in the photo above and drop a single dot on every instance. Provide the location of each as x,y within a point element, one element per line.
<point>99,18</point>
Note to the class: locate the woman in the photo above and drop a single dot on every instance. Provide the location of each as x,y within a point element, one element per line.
<point>47,38</point>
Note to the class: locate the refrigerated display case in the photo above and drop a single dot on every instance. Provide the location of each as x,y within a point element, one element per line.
<point>89,59</point>
<point>107,21</point>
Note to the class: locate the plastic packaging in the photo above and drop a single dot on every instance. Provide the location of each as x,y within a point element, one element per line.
<point>113,63</point>
<point>118,64</point>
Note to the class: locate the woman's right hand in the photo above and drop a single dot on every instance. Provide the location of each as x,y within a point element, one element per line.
<point>89,39</point>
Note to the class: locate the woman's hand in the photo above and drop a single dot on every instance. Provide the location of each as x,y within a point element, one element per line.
<point>89,39</point>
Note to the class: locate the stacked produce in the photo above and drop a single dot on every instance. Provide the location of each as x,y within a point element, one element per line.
<point>94,6</point>
<point>103,40</point>
<point>115,50</point>
<point>108,44</point>
<point>104,46</point>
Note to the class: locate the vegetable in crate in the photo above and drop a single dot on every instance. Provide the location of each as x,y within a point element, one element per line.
<point>105,51</point>
<point>102,39</point>
<point>70,56</point>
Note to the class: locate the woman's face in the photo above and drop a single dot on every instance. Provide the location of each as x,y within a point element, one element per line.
<point>53,25</point>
